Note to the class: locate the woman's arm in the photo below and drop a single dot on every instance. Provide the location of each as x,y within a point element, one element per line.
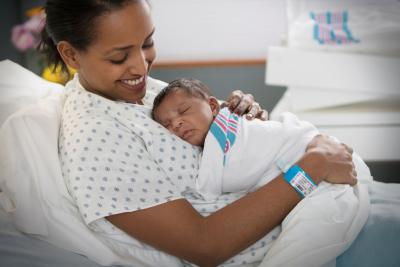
<point>178,229</point>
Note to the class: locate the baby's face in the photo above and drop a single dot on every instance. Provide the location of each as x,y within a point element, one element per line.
<point>186,116</point>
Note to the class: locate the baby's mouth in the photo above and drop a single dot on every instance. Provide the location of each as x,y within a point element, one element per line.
<point>186,134</point>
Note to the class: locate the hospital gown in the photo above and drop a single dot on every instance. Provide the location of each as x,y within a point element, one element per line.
<point>116,159</point>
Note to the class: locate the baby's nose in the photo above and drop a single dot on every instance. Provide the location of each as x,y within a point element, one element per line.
<point>176,124</point>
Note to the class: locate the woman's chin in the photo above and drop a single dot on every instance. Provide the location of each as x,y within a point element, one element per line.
<point>133,94</point>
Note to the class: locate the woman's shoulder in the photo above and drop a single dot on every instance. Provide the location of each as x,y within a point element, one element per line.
<point>153,87</point>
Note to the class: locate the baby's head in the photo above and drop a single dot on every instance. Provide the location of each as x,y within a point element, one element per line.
<point>186,108</point>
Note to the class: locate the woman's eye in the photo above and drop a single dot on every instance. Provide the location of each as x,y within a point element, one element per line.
<point>119,61</point>
<point>148,44</point>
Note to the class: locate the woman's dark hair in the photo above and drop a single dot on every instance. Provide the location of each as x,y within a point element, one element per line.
<point>73,21</point>
<point>191,86</point>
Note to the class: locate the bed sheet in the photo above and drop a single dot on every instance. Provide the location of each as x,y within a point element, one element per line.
<point>377,244</point>
<point>20,250</point>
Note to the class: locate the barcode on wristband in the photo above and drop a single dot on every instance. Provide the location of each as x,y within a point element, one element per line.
<point>302,184</point>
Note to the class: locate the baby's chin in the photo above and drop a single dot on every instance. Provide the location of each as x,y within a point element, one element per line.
<point>193,142</point>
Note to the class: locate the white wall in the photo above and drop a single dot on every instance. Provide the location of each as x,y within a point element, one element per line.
<point>191,30</point>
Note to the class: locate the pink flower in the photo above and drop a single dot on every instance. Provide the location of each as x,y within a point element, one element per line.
<point>27,35</point>
<point>22,38</point>
<point>36,23</point>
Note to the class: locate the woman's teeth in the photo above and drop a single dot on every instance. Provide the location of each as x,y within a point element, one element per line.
<point>133,82</point>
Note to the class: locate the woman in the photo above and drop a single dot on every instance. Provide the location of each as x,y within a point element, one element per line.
<point>114,156</point>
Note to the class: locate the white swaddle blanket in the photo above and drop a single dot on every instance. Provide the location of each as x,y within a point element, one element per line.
<point>240,155</point>
<point>322,225</point>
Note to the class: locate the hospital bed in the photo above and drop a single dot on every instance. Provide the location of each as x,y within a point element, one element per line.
<point>29,150</point>
<point>23,241</point>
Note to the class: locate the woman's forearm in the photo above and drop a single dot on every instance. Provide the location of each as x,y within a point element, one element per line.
<point>178,229</point>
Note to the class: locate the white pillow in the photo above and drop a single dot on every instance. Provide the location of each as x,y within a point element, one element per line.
<point>29,156</point>
<point>34,193</point>
<point>20,87</point>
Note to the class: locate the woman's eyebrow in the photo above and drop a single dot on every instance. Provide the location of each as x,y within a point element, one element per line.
<point>122,48</point>
<point>152,32</point>
<point>117,49</point>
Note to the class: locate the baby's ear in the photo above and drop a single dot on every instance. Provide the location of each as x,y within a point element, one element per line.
<point>214,105</point>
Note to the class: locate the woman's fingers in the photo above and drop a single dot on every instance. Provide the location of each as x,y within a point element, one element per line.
<point>354,173</point>
<point>245,104</point>
<point>340,165</point>
<point>241,103</point>
<point>264,115</point>
<point>257,112</point>
<point>349,149</point>
<point>253,111</point>
<point>234,99</point>
<point>353,178</point>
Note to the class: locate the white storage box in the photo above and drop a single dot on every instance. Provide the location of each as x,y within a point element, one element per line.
<point>351,96</point>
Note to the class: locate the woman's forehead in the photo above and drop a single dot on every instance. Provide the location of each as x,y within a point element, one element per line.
<point>130,25</point>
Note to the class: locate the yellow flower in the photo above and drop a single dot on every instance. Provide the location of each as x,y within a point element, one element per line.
<point>57,76</point>
<point>34,11</point>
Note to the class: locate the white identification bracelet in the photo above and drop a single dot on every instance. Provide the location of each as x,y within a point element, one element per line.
<point>300,180</point>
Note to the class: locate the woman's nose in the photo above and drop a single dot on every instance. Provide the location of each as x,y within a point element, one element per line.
<point>138,64</point>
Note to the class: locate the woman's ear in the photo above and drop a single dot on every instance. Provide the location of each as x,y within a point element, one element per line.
<point>214,105</point>
<point>68,54</point>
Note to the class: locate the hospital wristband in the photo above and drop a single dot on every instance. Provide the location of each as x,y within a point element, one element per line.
<point>299,180</point>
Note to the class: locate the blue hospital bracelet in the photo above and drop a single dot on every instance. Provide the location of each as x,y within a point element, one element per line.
<point>299,180</point>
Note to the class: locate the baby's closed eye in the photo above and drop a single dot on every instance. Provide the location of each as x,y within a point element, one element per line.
<point>183,110</point>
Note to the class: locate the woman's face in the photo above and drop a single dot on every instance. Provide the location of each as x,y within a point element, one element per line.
<point>116,64</point>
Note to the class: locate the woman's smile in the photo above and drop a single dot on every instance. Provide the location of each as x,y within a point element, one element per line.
<point>134,85</point>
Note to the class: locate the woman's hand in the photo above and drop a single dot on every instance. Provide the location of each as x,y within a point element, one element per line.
<point>241,103</point>
<point>338,159</point>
